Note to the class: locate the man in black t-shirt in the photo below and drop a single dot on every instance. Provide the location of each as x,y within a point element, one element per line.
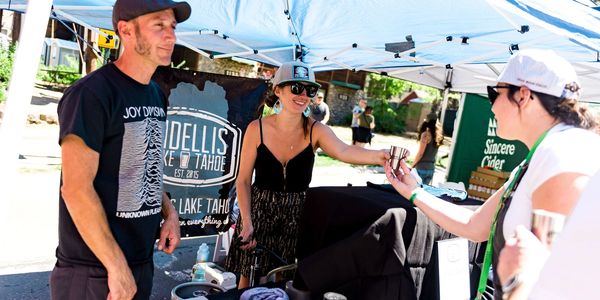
<point>112,125</point>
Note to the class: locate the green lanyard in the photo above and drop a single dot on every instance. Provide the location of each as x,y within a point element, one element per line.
<point>487,261</point>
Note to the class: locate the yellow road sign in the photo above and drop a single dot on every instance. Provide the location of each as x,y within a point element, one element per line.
<point>107,41</point>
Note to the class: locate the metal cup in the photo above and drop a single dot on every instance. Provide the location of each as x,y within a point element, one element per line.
<point>546,225</point>
<point>397,154</point>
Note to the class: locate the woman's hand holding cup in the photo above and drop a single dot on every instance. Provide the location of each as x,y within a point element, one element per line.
<point>400,178</point>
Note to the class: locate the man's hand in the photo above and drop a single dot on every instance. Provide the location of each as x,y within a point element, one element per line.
<point>121,284</point>
<point>170,235</point>
<point>169,231</point>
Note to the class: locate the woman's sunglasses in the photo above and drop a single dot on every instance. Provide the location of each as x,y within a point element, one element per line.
<point>493,94</point>
<point>297,89</point>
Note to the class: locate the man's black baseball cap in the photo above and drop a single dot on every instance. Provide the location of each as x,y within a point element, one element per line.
<point>130,9</point>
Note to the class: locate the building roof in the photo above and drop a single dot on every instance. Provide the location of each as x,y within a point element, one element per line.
<point>62,43</point>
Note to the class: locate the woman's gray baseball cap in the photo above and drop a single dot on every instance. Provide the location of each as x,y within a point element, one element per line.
<point>294,71</point>
<point>127,10</point>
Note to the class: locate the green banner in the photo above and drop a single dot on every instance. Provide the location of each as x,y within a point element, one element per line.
<point>476,143</point>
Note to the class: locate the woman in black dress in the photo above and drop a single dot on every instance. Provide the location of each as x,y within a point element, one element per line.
<point>280,149</point>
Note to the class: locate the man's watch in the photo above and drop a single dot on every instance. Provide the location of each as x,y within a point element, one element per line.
<point>510,286</point>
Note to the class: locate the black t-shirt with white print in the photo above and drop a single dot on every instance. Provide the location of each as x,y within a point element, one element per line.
<point>124,121</point>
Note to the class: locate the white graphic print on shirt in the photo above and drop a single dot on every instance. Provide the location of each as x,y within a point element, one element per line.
<point>140,172</point>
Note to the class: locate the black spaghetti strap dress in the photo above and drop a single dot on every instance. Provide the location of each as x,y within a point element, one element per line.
<point>277,199</point>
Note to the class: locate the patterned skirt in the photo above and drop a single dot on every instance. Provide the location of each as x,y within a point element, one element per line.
<point>276,220</point>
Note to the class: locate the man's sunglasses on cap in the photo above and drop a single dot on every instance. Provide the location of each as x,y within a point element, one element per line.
<point>493,94</point>
<point>297,88</point>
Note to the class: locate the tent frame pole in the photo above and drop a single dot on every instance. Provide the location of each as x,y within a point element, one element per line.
<point>18,100</point>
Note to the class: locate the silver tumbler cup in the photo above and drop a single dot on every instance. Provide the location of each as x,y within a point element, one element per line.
<point>546,225</point>
<point>397,154</point>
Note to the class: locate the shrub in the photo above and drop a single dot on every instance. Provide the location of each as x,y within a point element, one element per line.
<point>60,75</point>
<point>6,64</point>
<point>387,118</point>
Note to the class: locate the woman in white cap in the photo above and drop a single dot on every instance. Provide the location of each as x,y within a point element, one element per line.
<point>280,149</point>
<point>535,102</point>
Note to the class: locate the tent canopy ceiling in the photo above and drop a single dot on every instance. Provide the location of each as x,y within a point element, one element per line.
<point>460,44</point>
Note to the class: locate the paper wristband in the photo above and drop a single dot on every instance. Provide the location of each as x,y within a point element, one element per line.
<point>414,194</point>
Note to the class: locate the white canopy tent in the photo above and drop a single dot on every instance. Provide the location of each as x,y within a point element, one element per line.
<point>460,45</point>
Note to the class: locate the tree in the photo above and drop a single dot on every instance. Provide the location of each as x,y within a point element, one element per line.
<point>6,63</point>
<point>384,87</point>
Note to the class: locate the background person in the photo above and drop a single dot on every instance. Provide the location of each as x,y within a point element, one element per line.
<point>356,111</point>
<point>366,123</point>
<point>430,139</point>
<point>280,150</point>
<point>535,102</point>
<point>112,125</point>
<point>320,110</point>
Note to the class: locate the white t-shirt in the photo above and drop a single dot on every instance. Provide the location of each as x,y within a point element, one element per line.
<point>565,149</point>
<point>571,271</point>
<point>356,111</point>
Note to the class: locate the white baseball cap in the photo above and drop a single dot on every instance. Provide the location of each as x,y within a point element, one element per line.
<point>541,71</point>
<point>294,71</point>
<point>320,95</point>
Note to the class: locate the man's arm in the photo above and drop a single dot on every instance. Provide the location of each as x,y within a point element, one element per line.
<point>326,117</point>
<point>169,231</point>
<point>79,167</point>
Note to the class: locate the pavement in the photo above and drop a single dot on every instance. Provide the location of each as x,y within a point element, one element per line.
<point>30,231</point>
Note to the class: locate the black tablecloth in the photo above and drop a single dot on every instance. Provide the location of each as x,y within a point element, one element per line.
<point>359,240</point>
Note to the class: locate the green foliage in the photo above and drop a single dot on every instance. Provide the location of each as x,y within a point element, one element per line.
<point>380,89</point>
<point>384,87</point>
<point>387,118</point>
<point>267,111</point>
<point>6,64</point>
<point>60,75</point>
<point>347,119</point>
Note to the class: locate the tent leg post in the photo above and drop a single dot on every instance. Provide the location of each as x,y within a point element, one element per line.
<point>18,99</point>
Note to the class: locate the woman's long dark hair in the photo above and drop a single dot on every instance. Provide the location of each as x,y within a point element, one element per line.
<point>567,110</point>
<point>433,126</point>
<point>269,99</point>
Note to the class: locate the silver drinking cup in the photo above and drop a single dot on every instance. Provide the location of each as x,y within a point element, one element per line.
<point>397,154</point>
<point>546,225</point>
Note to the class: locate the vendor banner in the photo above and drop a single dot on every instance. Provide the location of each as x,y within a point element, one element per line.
<point>206,118</point>
<point>477,145</point>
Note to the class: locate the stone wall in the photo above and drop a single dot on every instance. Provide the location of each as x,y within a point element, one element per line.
<point>226,66</point>
<point>341,100</point>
